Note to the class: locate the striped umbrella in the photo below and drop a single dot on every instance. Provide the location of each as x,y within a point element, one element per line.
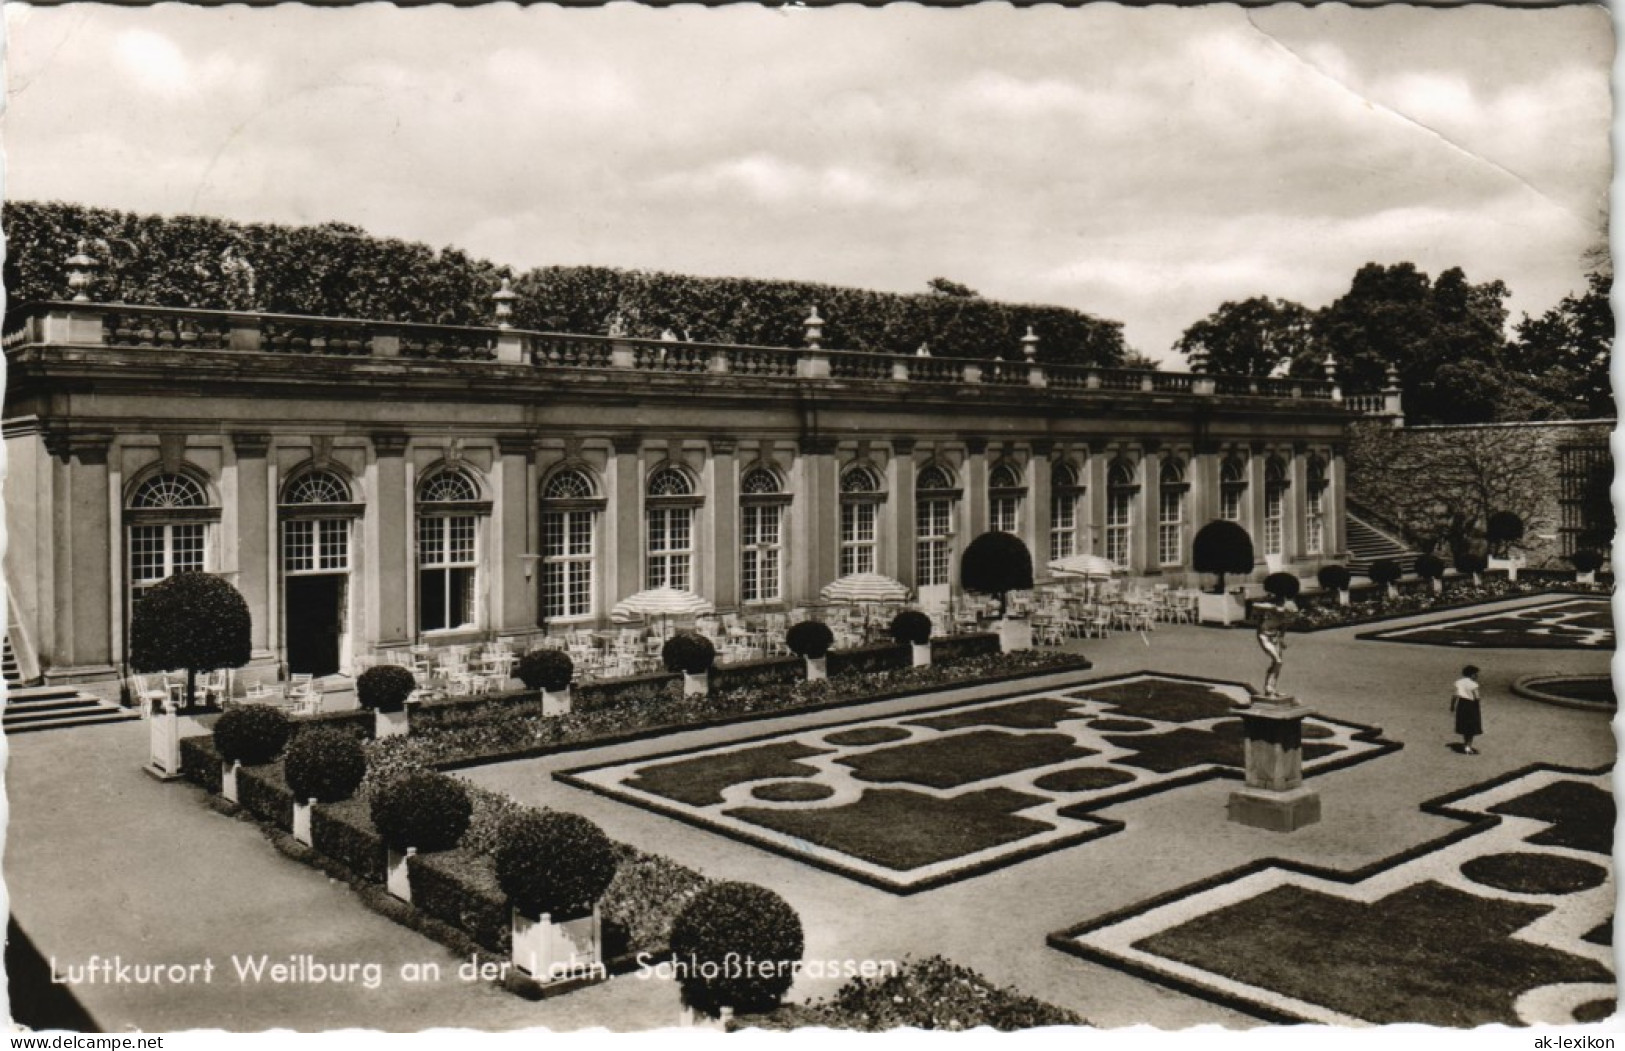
<point>1093,566</point>
<point>660,602</point>
<point>865,587</point>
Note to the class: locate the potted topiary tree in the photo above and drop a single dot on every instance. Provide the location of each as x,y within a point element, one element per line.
<point>1336,578</point>
<point>1283,587</point>
<point>748,926</point>
<point>692,654</point>
<point>194,621</point>
<point>1386,571</point>
<point>1469,561</point>
<point>383,690</point>
<point>323,765</point>
<point>1430,568</point>
<point>1221,547</point>
<point>248,736</point>
<point>554,867</point>
<point>550,671</point>
<point>416,812</point>
<point>996,564</point>
<point>1586,563</point>
<point>912,628</point>
<point>810,640</point>
<point>1501,530</point>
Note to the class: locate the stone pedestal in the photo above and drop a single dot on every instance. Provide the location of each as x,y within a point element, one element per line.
<point>1275,797</point>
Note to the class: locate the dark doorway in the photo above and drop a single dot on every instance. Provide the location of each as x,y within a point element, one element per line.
<point>315,619</point>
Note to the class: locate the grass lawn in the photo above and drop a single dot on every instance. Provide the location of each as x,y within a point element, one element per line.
<point>1529,873</point>
<point>1577,624</point>
<point>904,830</point>
<point>700,781</point>
<point>1221,744</point>
<point>1037,713</point>
<point>1167,700</point>
<point>1582,815</point>
<point>948,762</point>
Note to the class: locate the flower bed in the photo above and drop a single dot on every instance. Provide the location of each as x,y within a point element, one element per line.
<point>1319,611</point>
<point>472,734</point>
<point>932,993</point>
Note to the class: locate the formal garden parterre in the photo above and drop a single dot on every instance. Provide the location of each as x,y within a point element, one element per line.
<point>1569,623</point>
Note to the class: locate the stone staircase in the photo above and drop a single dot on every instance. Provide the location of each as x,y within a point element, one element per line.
<point>1368,543</point>
<point>30,708</point>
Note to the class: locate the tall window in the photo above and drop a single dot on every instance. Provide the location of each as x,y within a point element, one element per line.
<point>570,507</point>
<point>168,520</point>
<point>1004,492</point>
<point>1171,513</point>
<point>314,542</point>
<point>669,516</point>
<point>761,547</point>
<point>1120,489</point>
<point>1232,488</point>
<point>861,494</point>
<point>448,551</point>
<point>1274,506</point>
<point>1314,502</point>
<point>1065,492</point>
<point>934,496</point>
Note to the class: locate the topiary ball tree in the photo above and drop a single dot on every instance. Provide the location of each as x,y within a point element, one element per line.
<point>384,688</point>
<point>1586,561</point>
<point>911,627</point>
<point>809,639</point>
<point>554,864</point>
<point>1282,586</point>
<point>1468,561</point>
<point>1429,567</point>
<point>1385,571</point>
<point>194,621</point>
<point>1222,547</point>
<point>689,653</point>
<point>1334,578</point>
<point>426,810</point>
<point>252,734</point>
<point>550,670</point>
<point>996,564</point>
<point>746,925</point>
<point>324,764</point>
<point>1503,529</point>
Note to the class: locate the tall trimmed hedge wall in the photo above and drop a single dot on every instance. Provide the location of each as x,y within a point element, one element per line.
<point>337,270</point>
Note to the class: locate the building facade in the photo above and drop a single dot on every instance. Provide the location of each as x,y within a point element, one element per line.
<point>374,485</point>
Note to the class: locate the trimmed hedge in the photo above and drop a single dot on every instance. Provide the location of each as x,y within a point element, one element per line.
<point>555,864</point>
<point>809,639</point>
<point>1430,567</point>
<point>252,735</point>
<point>460,887</point>
<point>429,811</point>
<point>688,652</point>
<point>324,764</point>
<point>911,627</point>
<point>344,832</point>
<point>262,792</point>
<point>1334,578</point>
<point>737,922</point>
<point>384,688</point>
<point>550,670</point>
<point>1283,586</point>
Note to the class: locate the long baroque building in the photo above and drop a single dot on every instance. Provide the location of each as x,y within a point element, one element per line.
<point>369,485</point>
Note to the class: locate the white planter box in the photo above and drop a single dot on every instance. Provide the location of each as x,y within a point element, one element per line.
<point>228,780</point>
<point>920,653</point>
<point>1343,598</point>
<point>553,952</point>
<point>696,685</point>
<point>1509,564</point>
<point>390,724</point>
<point>1015,635</point>
<point>817,669</point>
<point>692,1019</point>
<point>1227,608</point>
<point>556,702</point>
<point>301,822</point>
<point>164,750</point>
<point>1586,578</point>
<point>398,882</point>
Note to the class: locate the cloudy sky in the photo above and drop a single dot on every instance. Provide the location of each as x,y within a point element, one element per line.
<point>1144,165</point>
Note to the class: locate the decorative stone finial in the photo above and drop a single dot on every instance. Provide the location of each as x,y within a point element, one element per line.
<point>1331,368</point>
<point>1029,345</point>
<point>815,330</point>
<point>1392,381</point>
<point>503,298</point>
<point>81,273</point>
<point>924,351</point>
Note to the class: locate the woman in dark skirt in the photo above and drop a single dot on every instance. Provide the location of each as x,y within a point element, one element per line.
<point>1465,703</point>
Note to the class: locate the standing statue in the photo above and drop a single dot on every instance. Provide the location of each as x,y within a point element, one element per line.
<point>1272,640</point>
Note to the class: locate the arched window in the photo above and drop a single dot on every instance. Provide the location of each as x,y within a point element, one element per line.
<point>761,536</point>
<point>1120,490</point>
<point>1232,488</point>
<point>934,498</point>
<point>1314,507</point>
<point>669,519</point>
<point>570,508</point>
<point>314,541</point>
<point>1005,491</point>
<point>1171,491</point>
<point>1274,506</point>
<point>167,519</point>
<point>448,515</point>
<point>861,495</point>
<point>1065,491</point>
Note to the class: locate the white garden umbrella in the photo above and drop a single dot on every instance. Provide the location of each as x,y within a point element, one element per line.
<point>1091,566</point>
<point>660,602</point>
<point>865,587</point>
